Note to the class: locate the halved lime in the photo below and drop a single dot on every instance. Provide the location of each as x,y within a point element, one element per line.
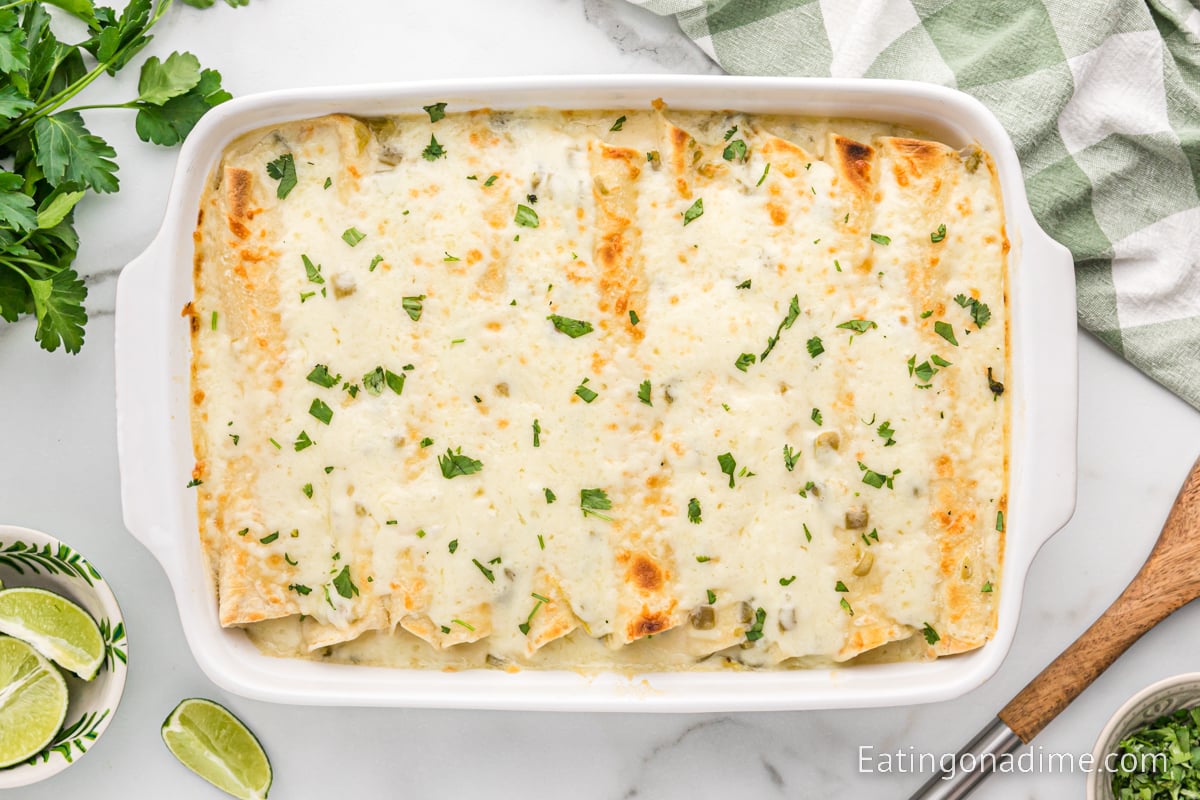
<point>33,701</point>
<point>214,744</point>
<point>57,628</point>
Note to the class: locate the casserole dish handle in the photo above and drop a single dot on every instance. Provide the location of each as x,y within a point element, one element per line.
<point>1054,367</point>
<point>143,383</point>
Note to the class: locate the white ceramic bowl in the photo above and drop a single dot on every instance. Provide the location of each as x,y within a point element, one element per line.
<point>1156,700</point>
<point>32,558</point>
<point>154,434</point>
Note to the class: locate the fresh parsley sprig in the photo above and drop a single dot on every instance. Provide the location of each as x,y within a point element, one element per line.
<point>51,160</point>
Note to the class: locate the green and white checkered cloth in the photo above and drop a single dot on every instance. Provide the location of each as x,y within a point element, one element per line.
<point>1101,98</point>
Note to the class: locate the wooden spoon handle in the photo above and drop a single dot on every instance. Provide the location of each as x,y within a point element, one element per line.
<point>1167,580</point>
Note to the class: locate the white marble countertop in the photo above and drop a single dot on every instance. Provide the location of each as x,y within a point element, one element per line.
<point>59,474</point>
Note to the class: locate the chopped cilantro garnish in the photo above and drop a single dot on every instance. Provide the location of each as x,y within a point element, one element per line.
<point>487,573</point>
<point>789,457</point>
<point>434,151</point>
<point>728,466</point>
<point>694,212</point>
<point>980,313</point>
<point>620,123</point>
<point>352,236</point>
<point>537,434</point>
<point>344,585</point>
<point>793,313</point>
<point>299,588</point>
<point>302,442</point>
<point>931,636</point>
<point>807,532</point>
<point>394,382</point>
<point>491,179</point>
<point>571,327</point>
<point>858,325</point>
<point>453,546</point>
<point>879,238</point>
<point>413,306</point>
<point>787,581</point>
<point>454,463</point>
<point>816,416</point>
<point>744,361</point>
<point>320,410</point>
<point>876,479</point>
<point>736,151</point>
<point>426,442</point>
<point>550,496</point>
<point>585,394</point>
<point>321,377</point>
<point>375,261</point>
<point>764,175</point>
<point>643,392</point>
<point>987,587</point>
<point>756,630</point>
<point>744,284</point>
<point>846,605</point>
<point>283,169</point>
<point>711,595</point>
<point>938,235</point>
<point>593,501</point>
<point>633,317</point>
<point>885,431</point>
<point>946,331</point>
<point>996,386</point>
<point>270,537</point>
<point>526,217</point>
<point>313,270</point>
<point>815,346</point>
<point>436,111</point>
<point>1000,521</point>
<point>694,511</point>
<point>449,258</point>
<point>373,381</point>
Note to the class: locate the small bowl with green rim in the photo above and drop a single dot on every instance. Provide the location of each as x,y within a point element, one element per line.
<point>33,558</point>
<point>1157,700</point>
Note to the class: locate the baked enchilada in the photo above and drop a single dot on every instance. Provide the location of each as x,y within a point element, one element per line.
<point>634,389</point>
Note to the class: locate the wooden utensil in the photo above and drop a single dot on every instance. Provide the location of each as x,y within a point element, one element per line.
<point>1167,581</point>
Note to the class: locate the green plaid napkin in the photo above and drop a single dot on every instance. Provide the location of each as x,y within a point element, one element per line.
<point>1101,98</point>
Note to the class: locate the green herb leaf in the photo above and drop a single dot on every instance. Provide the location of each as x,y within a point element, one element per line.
<point>816,416</point>
<point>729,133</point>
<point>585,394</point>
<point>303,442</point>
<point>526,217</point>
<point>321,377</point>
<point>711,595</point>
<point>313,270</point>
<point>787,581</point>
<point>308,490</point>
<point>68,153</point>
<point>987,587</point>
<point>789,457</point>
<point>436,111</point>
<point>946,331</point>
<point>643,393</point>
<point>938,235</point>
<point>793,313</point>
<point>694,511</point>
<point>344,584</point>
<point>744,284</point>
<point>352,236</point>
<point>980,313</point>
<point>283,169</point>
<point>744,361</point>
<point>885,431</point>
<point>394,382</point>
<point>736,151</point>
<point>299,588</point>
<point>728,464</point>
<point>593,501</point>
<point>413,306</point>
<point>764,175</point>
<point>815,346</point>
<point>374,381</point>
<point>840,587</point>
<point>491,179</point>
<point>571,327</point>
<point>807,532</point>
<point>931,636</point>
<point>756,630</point>
<point>454,463</point>
<point>939,361</point>
<point>996,386</point>
<point>694,212</point>
<point>1000,521</point>
<point>845,604</point>
<point>550,496</point>
<point>633,317</point>
<point>537,434</point>
<point>620,123</point>
<point>270,537</point>
<point>162,80</point>
<point>879,238</point>
<point>858,325</point>
<point>321,411</point>
<point>434,151</point>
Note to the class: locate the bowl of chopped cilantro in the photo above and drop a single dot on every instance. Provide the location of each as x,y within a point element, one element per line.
<point>1150,749</point>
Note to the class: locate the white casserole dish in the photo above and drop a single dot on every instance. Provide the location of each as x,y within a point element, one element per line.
<point>154,435</point>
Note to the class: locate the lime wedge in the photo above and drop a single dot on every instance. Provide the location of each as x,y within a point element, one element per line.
<point>33,701</point>
<point>215,745</point>
<point>57,628</point>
